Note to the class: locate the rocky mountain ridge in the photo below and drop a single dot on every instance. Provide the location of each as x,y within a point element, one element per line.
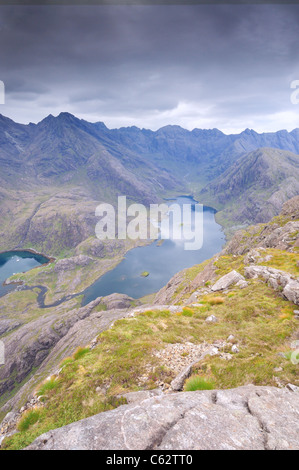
<point>255,187</point>
<point>61,144</point>
<point>66,166</point>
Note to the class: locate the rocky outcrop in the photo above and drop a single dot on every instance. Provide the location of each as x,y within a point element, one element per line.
<point>50,339</point>
<point>167,294</point>
<point>7,325</point>
<point>245,418</point>
<point>27,348</point>
<point>68,264</point>
<point>278,280</point>
<point>227,280</point>
<point>173,292</point>
<point>291,208</point>
<point>118,301</point>
<point>45,342</point>
<point>281,233</point>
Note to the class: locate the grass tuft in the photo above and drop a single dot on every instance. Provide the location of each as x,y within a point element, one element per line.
<point>28,419</point>
<point>216,300</point>
<point>47,386</point>
<point>80,353</point>
<point>198,383</point>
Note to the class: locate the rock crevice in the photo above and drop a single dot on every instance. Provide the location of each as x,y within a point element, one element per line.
<point>245,418</point>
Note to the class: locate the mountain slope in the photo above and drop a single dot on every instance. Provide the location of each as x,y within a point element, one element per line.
<point>42,162</point>
<point>64,149</point>
<point>255,187</point>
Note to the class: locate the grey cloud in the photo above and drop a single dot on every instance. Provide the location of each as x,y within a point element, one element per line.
<point>187,65</point>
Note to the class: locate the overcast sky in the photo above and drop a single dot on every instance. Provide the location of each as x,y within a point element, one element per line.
<point>201,66</point>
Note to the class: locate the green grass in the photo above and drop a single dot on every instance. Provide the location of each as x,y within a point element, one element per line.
<point>225,264</point>
<point>197,383</point>
<point>80,353</point>
<point>28,419</point>
<point>283,260</point>
<point>47,386</point>
<point>261,321</point>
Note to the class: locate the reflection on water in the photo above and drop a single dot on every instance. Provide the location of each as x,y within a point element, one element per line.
<point>161,260</point>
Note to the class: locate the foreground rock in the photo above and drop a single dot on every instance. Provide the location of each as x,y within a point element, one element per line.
<point>253,418</point>
<point>79,328</point>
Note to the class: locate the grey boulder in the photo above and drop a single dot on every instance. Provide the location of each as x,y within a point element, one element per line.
<point>227,280</point>
<point>246,418</point>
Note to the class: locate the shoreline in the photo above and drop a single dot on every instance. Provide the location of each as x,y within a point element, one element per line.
<point>6,282</point>
<point>159,242</point>
<point>50,259</point>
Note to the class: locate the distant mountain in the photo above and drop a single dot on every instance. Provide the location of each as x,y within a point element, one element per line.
<point>62,145</point>
<point>255,187</point>
<point>200,155</point>
<point>66,150</point>
<point>66,155</point>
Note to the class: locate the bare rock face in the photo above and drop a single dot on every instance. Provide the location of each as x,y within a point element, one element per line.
<point>117,301</point>
<point>46,341</point>
<point>29,345</point>
<point>281,234</point>
<point>68,264</point>
<point>291,208</point>
<point>168,294</point>
<point>137,397</point>
<point>245,418</point>
<point>226,281</point>
<point>7,325</point>
<point>276,279</point>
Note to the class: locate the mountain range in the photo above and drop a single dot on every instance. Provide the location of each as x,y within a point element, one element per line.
<point>63,144</point>
<point>246,177</point>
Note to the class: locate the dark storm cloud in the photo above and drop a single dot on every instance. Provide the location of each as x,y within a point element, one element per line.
<point>197,66</point>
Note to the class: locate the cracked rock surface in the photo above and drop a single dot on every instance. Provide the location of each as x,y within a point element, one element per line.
<point>247,417</point>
